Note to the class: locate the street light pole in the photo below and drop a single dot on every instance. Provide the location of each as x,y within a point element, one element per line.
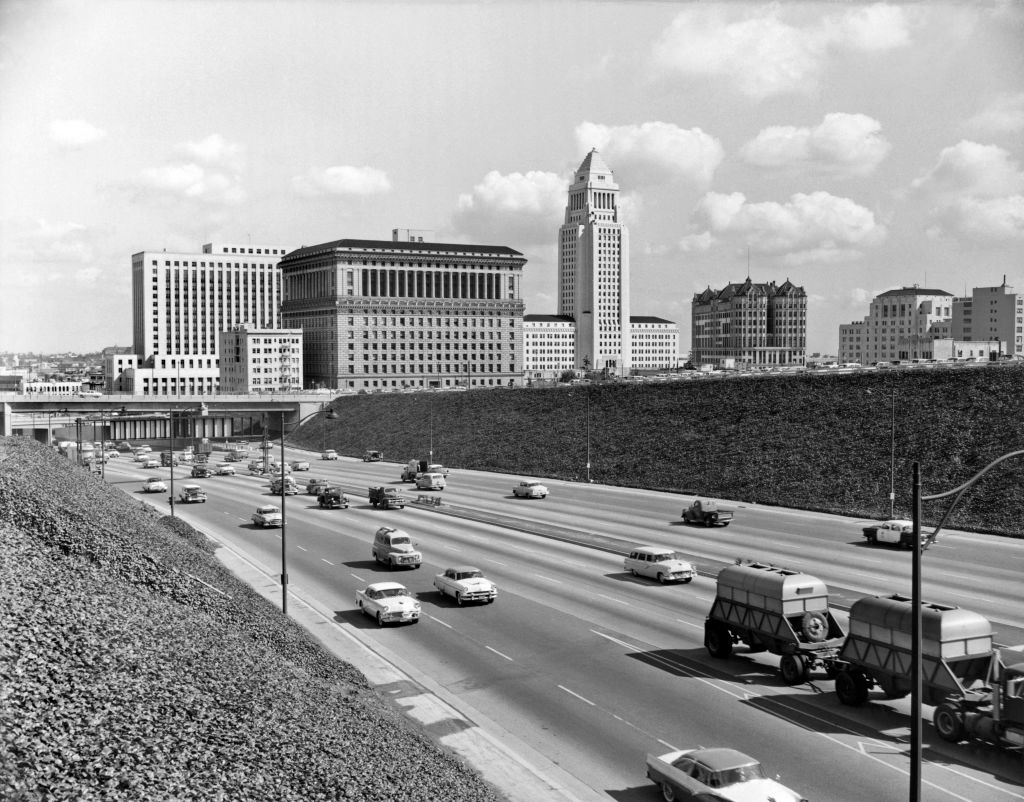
<point>892,458</point>
<point>170,420</point>
<point>284,532</point>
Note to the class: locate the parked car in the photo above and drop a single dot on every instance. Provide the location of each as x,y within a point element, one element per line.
<point>201,472</point>
<point>225,469</point>
<point>388,602</point>
<point>715,774</point>
<point>395,548</point>
<point>267,515</point>
<point>300,465</point>
<point>192,494</point>
<point>154,485</point>
<point>529,489</point>
<point>466,584</point>
<point>658,562</point>
<point>329,454</point>
<point>151,462</point>
<point>314,486</point>
<point>430,481</point>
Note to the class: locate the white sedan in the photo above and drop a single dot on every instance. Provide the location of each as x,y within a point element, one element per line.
<point>529,489</point>
<point>466,584</point>
<point>267,515</point>
<point>224,469</point>
<point>154,485</point>
<point>715,774</point>
<point>388,602</point>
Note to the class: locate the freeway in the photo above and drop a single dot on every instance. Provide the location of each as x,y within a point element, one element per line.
<point>593,668</point>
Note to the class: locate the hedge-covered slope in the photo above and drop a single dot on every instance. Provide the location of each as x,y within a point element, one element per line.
<point>817,442</point>
<point>124,677</point>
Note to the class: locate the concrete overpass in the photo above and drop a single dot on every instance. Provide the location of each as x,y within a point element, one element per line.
<point>149,418</point>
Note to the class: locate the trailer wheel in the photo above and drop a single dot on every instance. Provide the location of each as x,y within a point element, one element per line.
<point>814,626</point>
<point>793,669</point>
<point>717,639</point>
<point>948,723</point>
<point>851,687</point>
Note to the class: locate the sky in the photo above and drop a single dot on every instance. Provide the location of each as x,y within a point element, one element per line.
<point>849,147</point>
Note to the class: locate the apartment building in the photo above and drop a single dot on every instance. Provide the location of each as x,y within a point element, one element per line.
<point>405,313</point>
<point>750,325</point>
<point>260,360</point>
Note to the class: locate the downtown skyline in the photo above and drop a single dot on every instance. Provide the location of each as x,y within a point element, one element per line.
<point>850,148</point>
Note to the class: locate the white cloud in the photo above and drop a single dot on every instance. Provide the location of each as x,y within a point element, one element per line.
<point>192,182</point>
<point>523,208</point>
<point>215,150</point>
<point>843,144</point>
<point>696,242</point>
<point>816,225</point>
<point>342,180</point>
<point>75,133</point>
<point>1005,114</point>
<point>763,55</point>
<point>654,152</point>
<point>969,168</point>
<point>983,220</point>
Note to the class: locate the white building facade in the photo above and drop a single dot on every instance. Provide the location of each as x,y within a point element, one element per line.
<point>181,302</point>
<point>593,270</point>
<point>260,360</point>
<point>654,343</point>
<point>549,346</point>
<point>992,314</point>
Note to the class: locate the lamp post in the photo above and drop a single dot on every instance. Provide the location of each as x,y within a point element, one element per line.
<point>331,415</point>
<point>170,421</point>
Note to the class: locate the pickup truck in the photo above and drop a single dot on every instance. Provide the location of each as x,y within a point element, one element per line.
<point>373,456</point>
<point>706,513</point>
<point>899,532</point>
<point>390,498</point>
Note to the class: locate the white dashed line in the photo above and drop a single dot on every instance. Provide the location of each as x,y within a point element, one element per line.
<point>581,698</point>
<point>549,579</point>
<point>442,623</point>
<point>499,654</point>
<point>612,598</point>
<point>303,548</point>
<point>326,561</point>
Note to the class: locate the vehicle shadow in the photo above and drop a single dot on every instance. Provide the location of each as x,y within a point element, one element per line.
<point>693,663</point>
<point>360,620</point>
<point>642,793</point>
<point>625,576</point>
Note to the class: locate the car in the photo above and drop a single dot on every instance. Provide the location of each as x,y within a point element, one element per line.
<point>112,453</point>
<point>256,466</point>
<point>267,515</point>
<point>229,457</point>
<point>899,532</point>
<point>395,548</point>
<point>201,472</point>
<point>529,489</point>
<point>154,485</point>
<point>388,602</point>
<point>329,454</point>
<point>300,465</point>
<point>192,494</point>
<point>430,481</point>
<point>332,498</point>
<point>373,456</point>
<point>314,486</point>
<point>141,456</point>
<point>465,583</point>
<point>290,488</point>
<point>658,562</point>
<point>144,447</point>
<point>716,773</point>
<point>151,462</point>
<point>279,469</point>
<point>90,394</point>
<point>224,469</point>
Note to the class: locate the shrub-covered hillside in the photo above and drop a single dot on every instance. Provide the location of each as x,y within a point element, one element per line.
<point>818,442</point>
<point>134,666</point>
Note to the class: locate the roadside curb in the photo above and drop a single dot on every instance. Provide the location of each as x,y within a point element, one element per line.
<point>517,771</point>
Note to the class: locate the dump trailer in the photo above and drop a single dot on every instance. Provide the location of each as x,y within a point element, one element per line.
<point>776,610</point>
<point>956,650</point>
<point>993,712</point>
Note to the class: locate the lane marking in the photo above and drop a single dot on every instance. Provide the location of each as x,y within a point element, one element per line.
<point>581,698</point>
<point>549,579</point>
<point>302,547</point>
<point>612,598</point>
<point>439,621</point>
<point>690,624</point>
<point>499,653</point>
<point>326,561</point>
<point>496,562</point>
<point>357,578</point>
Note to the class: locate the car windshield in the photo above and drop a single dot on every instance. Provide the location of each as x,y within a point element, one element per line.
<point>665,556</point>
<point>741,774</point>
<point>401,541</point>
<point>471,575</point>
<point>388,593</point>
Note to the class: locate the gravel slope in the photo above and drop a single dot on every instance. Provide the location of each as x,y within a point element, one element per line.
<point>133,666</point>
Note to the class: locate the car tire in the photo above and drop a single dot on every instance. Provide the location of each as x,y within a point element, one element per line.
<point>380,619</point>
<point>793,669</point>
<point>948,723</point>
<point>661,578</point>
<point>458,598</point>
<point>634,572</point>
<point>668,793</point>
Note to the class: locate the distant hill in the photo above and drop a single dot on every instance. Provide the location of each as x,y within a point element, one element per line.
<point>809,441</point>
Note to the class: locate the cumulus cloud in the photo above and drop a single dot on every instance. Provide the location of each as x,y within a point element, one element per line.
<point>208,171</point>
<point>763,55</point>
<point>842,144</point>
<point>976,194</point>
<point>654,152</point>
<point>216,151</point>
<point>809,227</point>
<point>1005,114</point>
<point>45,250</point>
<point>696,242</point>
<point>74,134</point>
<point>342,180</point>
<point>525,206</point>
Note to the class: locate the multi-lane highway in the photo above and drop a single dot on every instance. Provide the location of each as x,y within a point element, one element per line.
<point>593,668</point>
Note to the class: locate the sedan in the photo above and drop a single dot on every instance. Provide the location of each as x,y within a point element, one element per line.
<point>154,485</point>
<point>529,489</point>
<point>267,515</point>
<point>466,584</point>
<point>225,470</point>
<point>715,774</point>
<point>151,462</point>
<point>388,602</point>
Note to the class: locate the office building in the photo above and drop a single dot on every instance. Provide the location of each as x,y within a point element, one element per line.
<point>900,324</point>
<point>654,343</point>
<point>991,314</point>
<point>593,270</point>
<point>260,360</point>
<point>181,304</point>
<point>750,325</point>
<point>386,315</point>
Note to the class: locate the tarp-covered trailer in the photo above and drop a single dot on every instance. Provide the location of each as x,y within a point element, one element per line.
<point>956,650</point>
<point>776,610</point>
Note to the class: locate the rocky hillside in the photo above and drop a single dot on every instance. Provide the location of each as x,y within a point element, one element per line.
<point>815,442</point>
<point>133,666</point>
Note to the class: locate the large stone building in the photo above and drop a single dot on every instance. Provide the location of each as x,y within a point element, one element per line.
<point>593,269</point>
<point>750,325</point>
<point>379,314</point>
<point>181,302</point>
<point>260,360</point>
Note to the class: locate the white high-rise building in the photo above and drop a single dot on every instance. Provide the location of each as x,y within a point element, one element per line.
<point>593,270</point>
